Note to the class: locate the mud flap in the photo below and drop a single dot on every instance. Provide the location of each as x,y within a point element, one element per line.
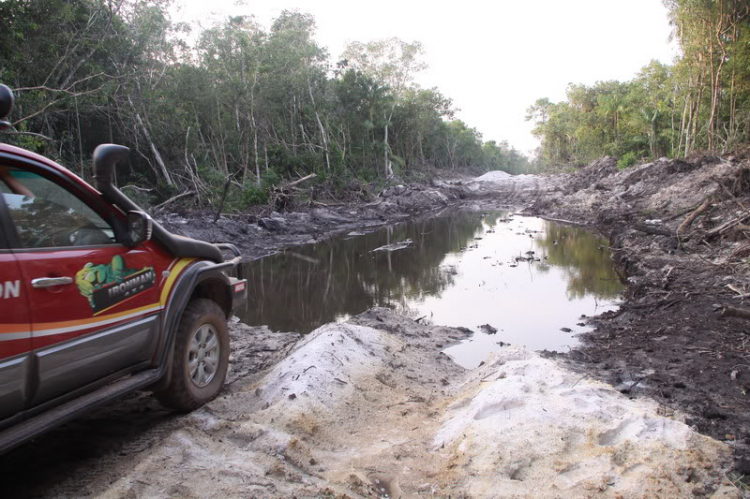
<point>239,292</point>
<point>167,378</point>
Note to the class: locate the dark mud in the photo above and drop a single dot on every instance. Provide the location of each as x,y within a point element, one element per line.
<point>670,340</point>
<point>263,231</point>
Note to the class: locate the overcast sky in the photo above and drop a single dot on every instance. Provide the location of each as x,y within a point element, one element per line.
<point>493,58</point>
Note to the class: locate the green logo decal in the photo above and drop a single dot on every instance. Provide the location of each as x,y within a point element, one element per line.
<point>108,284</point>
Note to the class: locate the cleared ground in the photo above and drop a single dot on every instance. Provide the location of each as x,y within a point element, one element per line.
<point>372,409</point>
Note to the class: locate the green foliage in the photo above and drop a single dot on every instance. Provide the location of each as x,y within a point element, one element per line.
<point>270,178</point>
<point>31,143</point>
<point>701,102</point>
<point>253,194</point>
<point>627,160</point>
<point>254,104</point>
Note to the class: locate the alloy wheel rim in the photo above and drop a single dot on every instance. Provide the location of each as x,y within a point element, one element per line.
<point>203,355</point>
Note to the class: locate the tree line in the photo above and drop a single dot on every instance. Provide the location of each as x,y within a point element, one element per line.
<point>699,103</point>
<point>231,104</point>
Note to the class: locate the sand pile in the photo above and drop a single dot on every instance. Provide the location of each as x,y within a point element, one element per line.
<point>523,425</point>
<point>372,408</point>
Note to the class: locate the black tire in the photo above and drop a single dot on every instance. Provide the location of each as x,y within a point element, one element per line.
<point>184,393</point>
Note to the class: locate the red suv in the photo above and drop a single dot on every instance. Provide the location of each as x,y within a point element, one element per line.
<point>97,300</point>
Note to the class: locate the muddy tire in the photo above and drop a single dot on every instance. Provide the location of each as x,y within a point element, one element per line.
<point>201,357</point>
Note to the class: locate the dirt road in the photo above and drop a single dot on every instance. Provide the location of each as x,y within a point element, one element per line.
<point>372,408</point>
<point>393,417</point>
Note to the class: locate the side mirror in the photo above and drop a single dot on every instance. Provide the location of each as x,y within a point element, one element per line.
<point>139,228</point>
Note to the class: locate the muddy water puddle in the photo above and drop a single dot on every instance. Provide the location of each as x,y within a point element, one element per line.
<point>510,279</point>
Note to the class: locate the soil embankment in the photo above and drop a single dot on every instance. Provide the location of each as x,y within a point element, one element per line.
<point>265,231</point>
<point>678,233</point>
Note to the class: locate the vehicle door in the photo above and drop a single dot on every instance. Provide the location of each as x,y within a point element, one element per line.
<point>15,331</point>
<point>94,302</point>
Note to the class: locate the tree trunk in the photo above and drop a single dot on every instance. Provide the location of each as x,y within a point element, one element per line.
<point>388,170</point>
<point>255,130</point>
<point>323,133</point>
<point>154,149</point>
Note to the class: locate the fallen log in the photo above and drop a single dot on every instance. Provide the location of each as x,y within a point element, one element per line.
<point>726,226</point>
<point>174,198</point>
<point>327,205</point>
<point>742,313</point>
<point>298,181</point>
<point>740,294</point>
<point>654,231</point>
<point>741,252</point>
<point>680,213</point>
<point>691,218</point>
<point>560,220</point>
<point>394,247</point>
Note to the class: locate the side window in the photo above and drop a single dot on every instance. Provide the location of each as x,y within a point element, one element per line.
<point>47,215</point>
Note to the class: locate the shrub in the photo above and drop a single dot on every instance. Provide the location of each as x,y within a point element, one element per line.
<point>252,194</point>
<point>627,160</point>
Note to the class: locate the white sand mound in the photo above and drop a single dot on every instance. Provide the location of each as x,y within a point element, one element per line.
<point>505,185</point>
<point>493,176</point>
<point>525,426</point>
<point>501,177</point>
<point>374,409</point>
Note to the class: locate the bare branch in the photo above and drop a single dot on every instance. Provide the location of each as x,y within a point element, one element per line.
<point>66,90</point>
<point>32,134</point>
<point>135,187</point>
<point>175,198</point>
<point>53,103</point>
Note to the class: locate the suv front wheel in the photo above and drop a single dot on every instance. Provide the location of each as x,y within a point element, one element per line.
<point>201,357</point>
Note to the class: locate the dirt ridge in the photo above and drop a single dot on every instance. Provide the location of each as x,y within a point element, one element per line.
<point>670,341</point>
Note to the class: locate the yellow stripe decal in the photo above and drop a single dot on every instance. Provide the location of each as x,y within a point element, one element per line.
<point>173,275</point>
<point>15,331</point>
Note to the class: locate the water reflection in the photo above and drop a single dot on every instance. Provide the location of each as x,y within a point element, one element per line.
<point>308,286</point>
<point>589,269</point>
<point>526,277</point>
